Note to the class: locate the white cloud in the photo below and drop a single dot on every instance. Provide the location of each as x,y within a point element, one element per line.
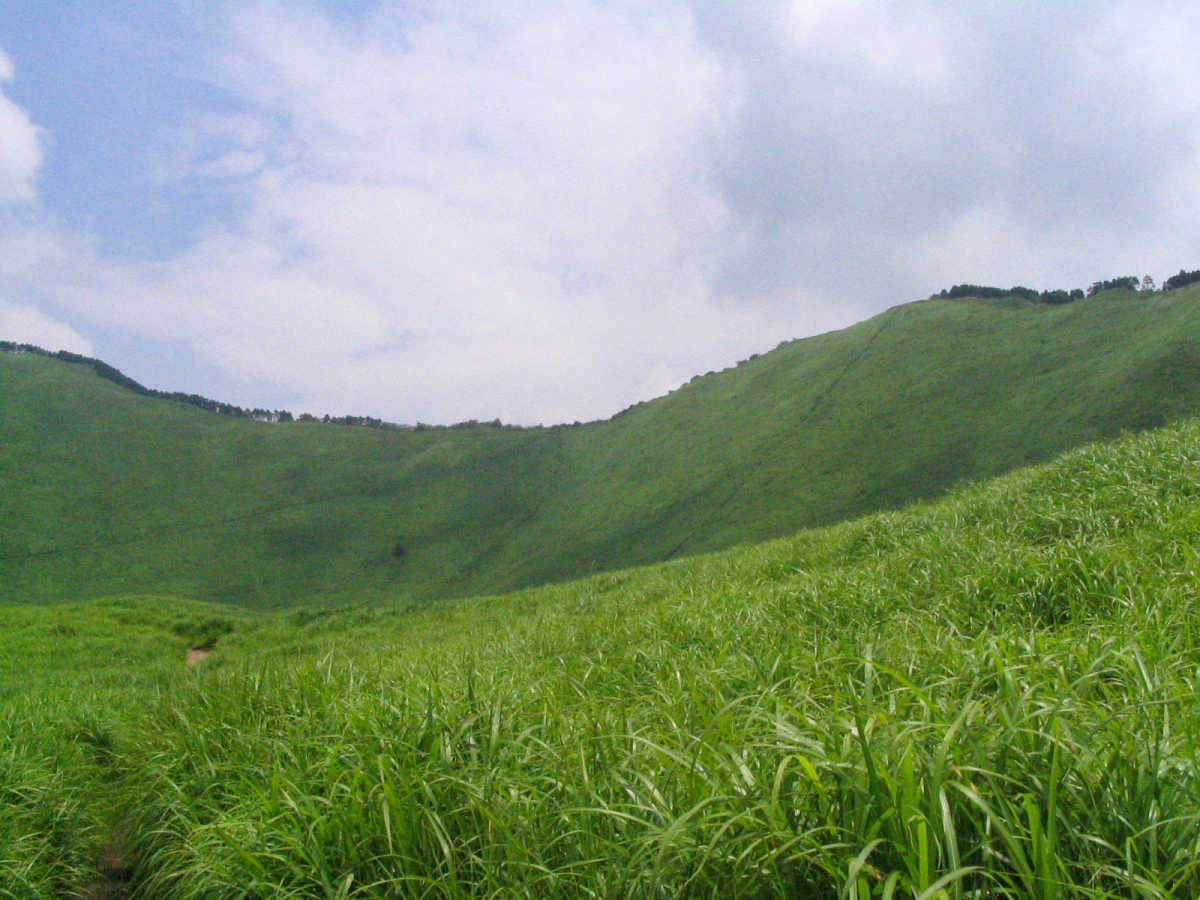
<point>20,150</point>
<point>992,241</point>
<point>24,324</point>
<point>545,212</point>
<point>20,159</point>
<point>881,143</point>
<point>479,214</point>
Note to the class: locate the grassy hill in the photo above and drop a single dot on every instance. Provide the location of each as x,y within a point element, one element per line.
<point>104,491</point>
<point>993,695</point>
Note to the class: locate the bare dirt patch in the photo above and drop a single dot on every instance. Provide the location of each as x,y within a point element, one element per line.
<point>196,655</point>
<point>115,871</point>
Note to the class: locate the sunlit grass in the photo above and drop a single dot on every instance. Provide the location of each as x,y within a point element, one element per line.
<point>991,696</point>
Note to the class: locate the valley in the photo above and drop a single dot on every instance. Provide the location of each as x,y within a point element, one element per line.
<point>106,491</point>
<point>832,634</point>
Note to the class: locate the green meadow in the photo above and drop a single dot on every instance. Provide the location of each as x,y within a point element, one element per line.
<point>107,492</point>
<point>990,695</point>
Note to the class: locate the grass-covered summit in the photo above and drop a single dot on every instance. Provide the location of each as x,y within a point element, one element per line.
<point>990,696</point>
<point>103,490</point>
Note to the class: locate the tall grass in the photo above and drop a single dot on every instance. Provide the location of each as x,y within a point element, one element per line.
<point>72,678</point>
<point>48,829</point>
<point>992,696</point>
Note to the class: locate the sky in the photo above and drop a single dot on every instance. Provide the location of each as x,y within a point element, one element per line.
<point>547,211</point>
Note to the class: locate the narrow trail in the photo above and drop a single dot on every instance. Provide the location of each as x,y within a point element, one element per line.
<point>850,364</point>
<point>817,400</point>
<point>116,870</point>
<point>115,863</point>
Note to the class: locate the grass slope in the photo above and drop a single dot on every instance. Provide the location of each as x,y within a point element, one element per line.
<point>103,491</point>
<point>990,696</point>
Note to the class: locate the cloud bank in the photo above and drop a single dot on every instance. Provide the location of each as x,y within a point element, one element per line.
<point>545,212</point>
<point>20,149</point>
<point>20,160</point>
<point>28,325</point>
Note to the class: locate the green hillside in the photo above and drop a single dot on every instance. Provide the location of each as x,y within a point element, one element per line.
<point>104,491</point>
<point>993,695</point>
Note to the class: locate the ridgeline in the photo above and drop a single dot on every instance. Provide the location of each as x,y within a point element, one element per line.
<point>105,489</point>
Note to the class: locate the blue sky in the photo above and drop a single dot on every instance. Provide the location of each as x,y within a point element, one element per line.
<point>548,211</point>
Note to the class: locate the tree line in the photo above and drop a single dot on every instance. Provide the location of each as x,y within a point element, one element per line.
<point>996,293</point>
<point>110,373</point>
<point>104,370</point>
<point>1145,284</point>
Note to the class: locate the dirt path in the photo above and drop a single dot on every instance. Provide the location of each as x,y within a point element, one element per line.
<point>114,863</point>
<point>115,872</point>
<point>196,655</point>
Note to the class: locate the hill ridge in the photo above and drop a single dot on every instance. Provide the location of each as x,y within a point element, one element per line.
<point>105,491</point>
<point>1017,294</point>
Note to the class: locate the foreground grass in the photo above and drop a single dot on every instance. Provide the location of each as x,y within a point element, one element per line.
<point>72,678</point>
<point>991,696</point>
